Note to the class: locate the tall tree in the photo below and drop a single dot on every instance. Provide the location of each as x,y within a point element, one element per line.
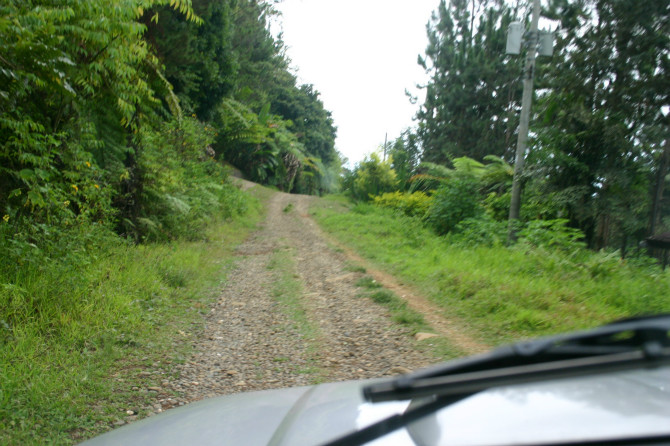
<point>231,71</point>
<point>261,58</point>
<point>199,59</point>
<point>603,116</point>
<point>266,85</point>
<point>312,123</point>
<point>473,91</point>
<point>405,157</point>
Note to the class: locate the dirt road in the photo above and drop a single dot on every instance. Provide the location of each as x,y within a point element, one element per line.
<point>251,341</point>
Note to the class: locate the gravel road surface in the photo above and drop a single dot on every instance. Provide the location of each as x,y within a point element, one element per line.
<point>249,341</point>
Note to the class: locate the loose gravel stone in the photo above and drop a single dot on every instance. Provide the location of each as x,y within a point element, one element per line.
<point>248,342</point>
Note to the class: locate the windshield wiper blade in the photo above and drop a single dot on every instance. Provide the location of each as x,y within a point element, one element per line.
<point>623,345</point>
<point>465,384</point>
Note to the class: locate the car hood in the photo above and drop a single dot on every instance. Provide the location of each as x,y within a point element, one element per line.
<point>599,407</point>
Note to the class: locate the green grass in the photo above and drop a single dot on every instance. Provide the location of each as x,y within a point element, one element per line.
<point>502,294</point>
<point>76,340</point>
<point>400,311</point>
<point>368,282</point>
<point>355,268</point>
<point>288,291</point>
<point>440,348</point>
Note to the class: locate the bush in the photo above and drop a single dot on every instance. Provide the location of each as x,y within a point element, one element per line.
<point>457,200</point>
<point>483,230</point>
<point>415,204</point>
<point>182,185</point>
<point>372,177</point>
<point>552,234</point>
<point>497,205</point>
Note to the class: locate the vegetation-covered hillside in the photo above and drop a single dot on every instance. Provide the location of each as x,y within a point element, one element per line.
<point>116,121</point>
<point>118,115</point>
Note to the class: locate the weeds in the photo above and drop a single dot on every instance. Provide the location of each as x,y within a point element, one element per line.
<point>382,296</point>
<point>400,311</point>
<point>503,293</point>
<point>287,290</point>
<point>356,268</point>
<point>368,282</point>
<point>75,333</point>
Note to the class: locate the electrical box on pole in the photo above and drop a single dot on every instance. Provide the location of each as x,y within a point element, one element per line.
<point>524,118</point>
<point>546,43</point>
<point>514,38</point>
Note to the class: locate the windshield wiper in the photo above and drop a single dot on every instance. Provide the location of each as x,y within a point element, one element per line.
<point>623,345</point>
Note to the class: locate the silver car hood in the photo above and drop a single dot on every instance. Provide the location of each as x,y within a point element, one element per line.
<point>598,407</point>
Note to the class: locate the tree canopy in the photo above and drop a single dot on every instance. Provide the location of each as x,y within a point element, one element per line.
<point>112,113</point>
<point>598,152</point>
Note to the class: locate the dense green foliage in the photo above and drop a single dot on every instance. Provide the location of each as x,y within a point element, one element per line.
<point>603,128</point>
<point>470,197</point>
<point>415,204</point>
<point>372,176</point>
<point>453,203</point>
<point>98,109</point>
<point>598,154</point>
<point>77,335</point>
<point>546,283</point>
<point>116,120</point>
<point>231,72</point>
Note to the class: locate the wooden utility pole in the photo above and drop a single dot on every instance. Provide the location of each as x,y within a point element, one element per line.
<point>529,74</point>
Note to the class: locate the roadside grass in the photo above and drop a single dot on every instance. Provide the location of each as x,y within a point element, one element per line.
<point>400,312</point>
<point>288,292</point>
<point>76,364</point>
<point>368,282</point>
<point>403,315</point>
<point>502,294</point>
<point>355,268</point>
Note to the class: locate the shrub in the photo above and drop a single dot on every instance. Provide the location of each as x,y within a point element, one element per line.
<point>497,205</point>
<point>483,230</point>
<point>373,177</point>
<point>182,185</point>
<point>552,234</point>
<point>415,204</point>
<point>457,200</point>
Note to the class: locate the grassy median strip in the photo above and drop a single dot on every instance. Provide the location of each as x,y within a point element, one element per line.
<point>502,294</point>
<point>106,333</point>
<point>288,291</point>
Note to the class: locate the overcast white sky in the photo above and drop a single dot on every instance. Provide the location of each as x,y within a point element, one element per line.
<point>360,55</point>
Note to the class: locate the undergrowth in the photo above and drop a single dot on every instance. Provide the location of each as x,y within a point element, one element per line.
<point>502,293</point>
<point>76,331</point>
